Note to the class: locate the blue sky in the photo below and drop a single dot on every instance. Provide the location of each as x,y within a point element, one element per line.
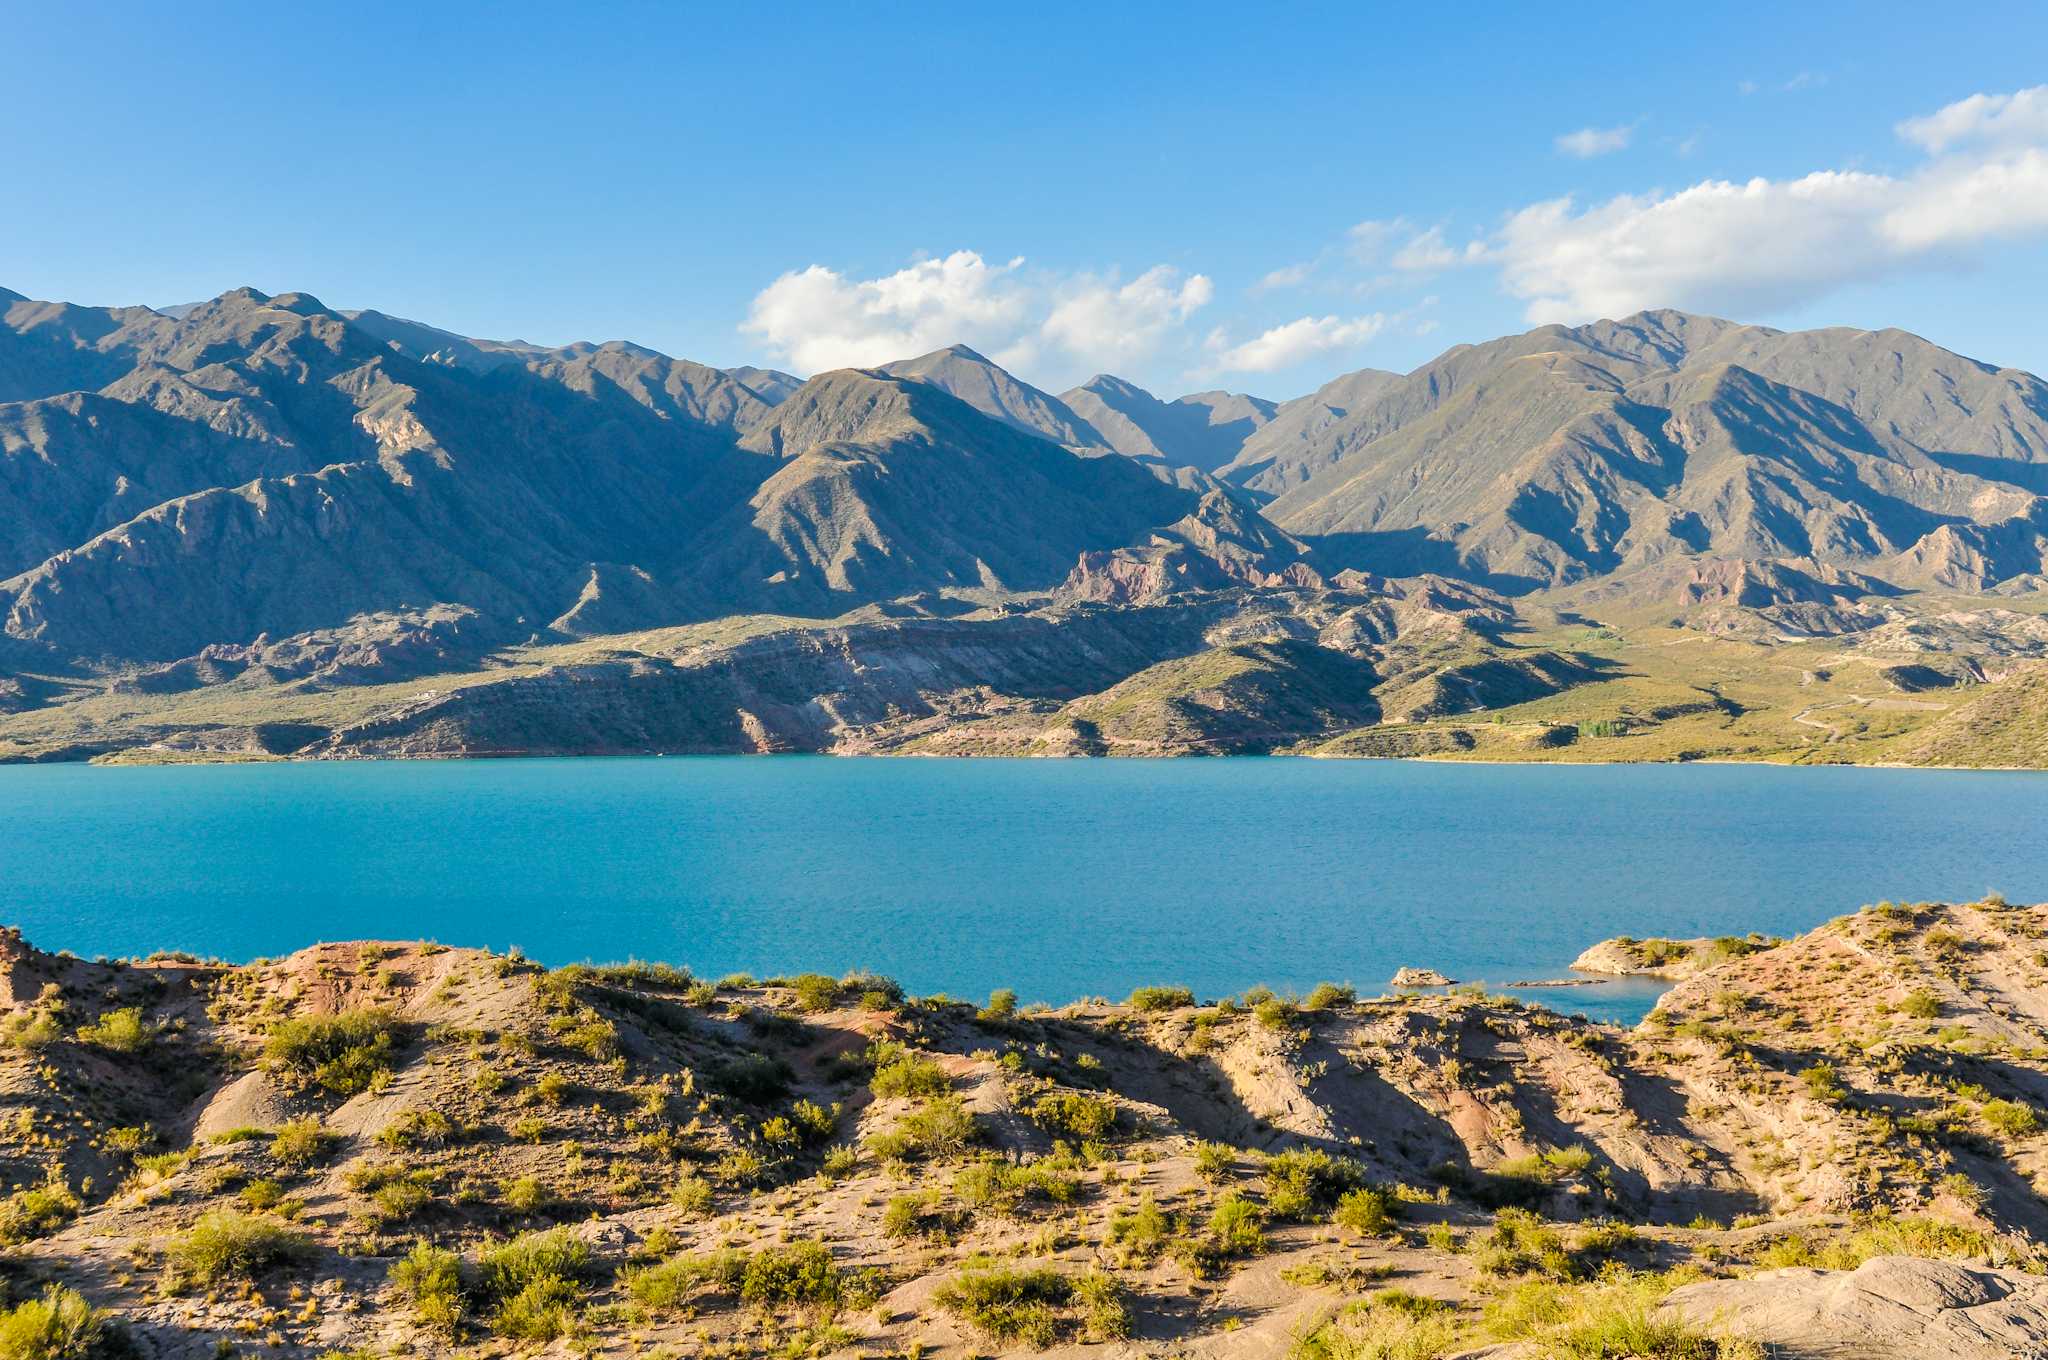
<point>1189,195</point>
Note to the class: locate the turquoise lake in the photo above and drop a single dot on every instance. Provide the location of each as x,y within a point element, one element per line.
<point>1056,878</point>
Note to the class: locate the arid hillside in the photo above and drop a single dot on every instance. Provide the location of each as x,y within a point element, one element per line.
<point>381,1149</point>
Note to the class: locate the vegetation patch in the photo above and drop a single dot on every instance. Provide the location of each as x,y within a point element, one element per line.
<point>1038,1307</point>
<point>343,1054</point>
<point>224,1245</point>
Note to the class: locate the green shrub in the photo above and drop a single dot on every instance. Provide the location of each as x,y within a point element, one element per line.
<point>797,1272</point>
<point>756,1078</point>
<point>130,1140</point>
<point>1005,1187</point>
<point>938,1128</point>
<point>2009,1117</point>
<point>1160,999</point>
<point>902,1073</point>
<point>38,1027</point>
<point>60,1325</point>
<point>1235,1226</point>
<point>542,1310</point>
<point>1921,1004</point>
<point>37,1210</point>
<point>1142,1234</point>
<point>595,1037</point>
<point>1215,1161</point>
<point>692,1195</point>
<point>532,1283</point>
<point>1105,1306</point>
<point>1075,1116</point>
<point>1328,995</point>
<point>1367,1211</point>
<point>814,1123</point>
<point>225,1245</point>
<point>1002,1006</point>
<point>669,1285</point>
<point>1274,1014</point>
<point>261,1194</point>
<point>909,1216</point>
<point>120,1031</point>
<point>1616,1317</point>
<point>1878,1235</point>
<point>740,1167</point>
<point>1519,1243</point>
<point>1822,1082</point>
<point>420,1128</point>
<point>430,1278</point>
<point>525,1194</point>
<point>1301,1181</point>
<point>1008,1305</point>
<point>343,1053</point>
<point>1569,1161</point>
<point>1389,1325</point>
<point>298,1143</point>
<point>815,992</point>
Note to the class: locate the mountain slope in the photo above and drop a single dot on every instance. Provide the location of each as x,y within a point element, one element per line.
<point>324,475</point>
<point>1205,430</point>
<point>891,485</point>
<point>990,390</point>
<point>1566,453</point>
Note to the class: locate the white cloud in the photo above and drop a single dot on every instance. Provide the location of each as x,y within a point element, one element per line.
<point>1106,325</point>
<point>1768,244</point>
<point>1368,240</point>
<point>1428,251</point>
<point>1287,345</point>
<point>1588,142</point>
<point>1987,119</point>
<point>817,318</point>
<point>1287,276</point>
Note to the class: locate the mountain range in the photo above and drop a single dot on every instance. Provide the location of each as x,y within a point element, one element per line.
<point>184,489</point>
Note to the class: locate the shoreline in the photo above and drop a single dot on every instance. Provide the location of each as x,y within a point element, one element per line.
<point>120,760</point>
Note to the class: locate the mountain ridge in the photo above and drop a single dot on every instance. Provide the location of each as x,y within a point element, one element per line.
<point>262,486</point>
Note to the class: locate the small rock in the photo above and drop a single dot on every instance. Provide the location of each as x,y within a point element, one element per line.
<point>1422,977</point>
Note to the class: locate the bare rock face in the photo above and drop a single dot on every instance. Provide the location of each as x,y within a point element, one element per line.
<point>1422,977</point>
<point>1891,1308</point>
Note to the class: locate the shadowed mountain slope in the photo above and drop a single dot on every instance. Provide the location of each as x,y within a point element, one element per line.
<point>264,492</point>
<point>1205,430</point>
<point>990,390</point>
<point>1566,453</point>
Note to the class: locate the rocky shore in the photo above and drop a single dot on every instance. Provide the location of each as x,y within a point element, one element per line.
<point>385,1148</point>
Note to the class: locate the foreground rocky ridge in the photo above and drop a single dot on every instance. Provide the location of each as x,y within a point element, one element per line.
<point>369,1149</point>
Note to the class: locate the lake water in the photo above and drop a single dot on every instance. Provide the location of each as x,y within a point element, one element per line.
<point>1056,878</point>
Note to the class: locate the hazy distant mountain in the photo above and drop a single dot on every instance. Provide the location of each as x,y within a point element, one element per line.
<point>430,344</point>
<point>1569,452</point>
<point>262,499</point>
<point>769,384</point>
<point>265,467</point>
<point>1205,430</point>
<point>891,486</point>
<point>994,392</point>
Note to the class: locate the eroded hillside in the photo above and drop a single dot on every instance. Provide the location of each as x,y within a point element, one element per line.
<point>260,527</point>
<point>372,1149</point>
